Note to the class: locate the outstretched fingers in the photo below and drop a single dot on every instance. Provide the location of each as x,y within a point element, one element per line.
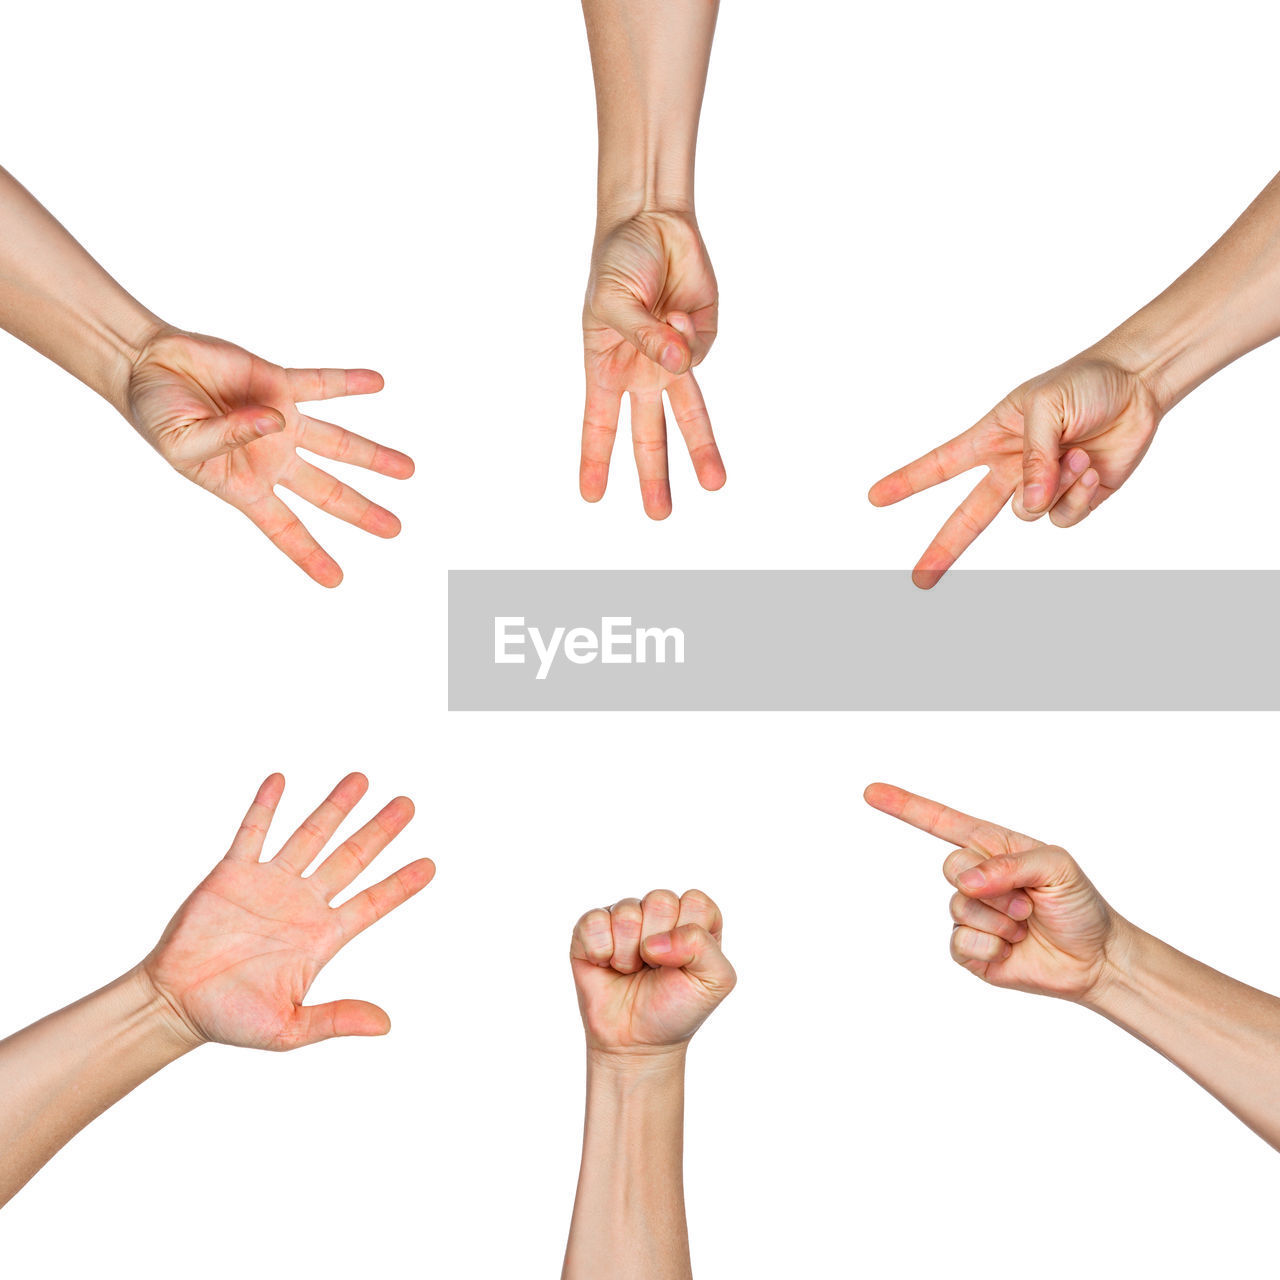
<point>329,494</point>
<point>270,514</point>
<point>649,441</point>
<point>379,900</point>
<point>599,430</point>
<point>351,857</point>
<point>252,835</point>
<point>956,456</point>
<point>926,815</point>
<point>340,445</point>
<point>694,422</point>
<point>332,384</point>
<point>299,851</point>
<point>962,528</point>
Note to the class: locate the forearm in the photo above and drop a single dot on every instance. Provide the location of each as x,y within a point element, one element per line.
<point>1224,1034</point>
<point>1225,305</point>
<point>650,65</point>
<point>58,300</point>
<point>629,1217</point>
<point>64,1071</point>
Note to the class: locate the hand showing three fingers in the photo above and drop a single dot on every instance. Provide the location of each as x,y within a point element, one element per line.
<point>649,317</point>
<point>237,960</point>
<point>1025,916</point>
<point>1062,443</point>
<point>649,973</point>
<point>229,421</point>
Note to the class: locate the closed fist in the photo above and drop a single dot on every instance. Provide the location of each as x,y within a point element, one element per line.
<point>649,972</point>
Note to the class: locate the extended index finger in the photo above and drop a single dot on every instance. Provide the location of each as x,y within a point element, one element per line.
<point>947,461</point>
<point>926,815</point>
<point>331,384</point>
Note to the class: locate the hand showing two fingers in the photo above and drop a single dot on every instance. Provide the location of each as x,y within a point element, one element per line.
<point>1025,916</point>
<point>649,972</point>
<point>649,318</point>
<point>237,960</point>
<point>1062,443</point>
<point>229,421</point>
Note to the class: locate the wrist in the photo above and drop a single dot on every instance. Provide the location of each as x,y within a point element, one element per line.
<point>651,1062</point>
<point>126,343</point>
<point>1159,360</point>
<point>658,181</point>
<point>156,1015</point>
<point>1119,980</point>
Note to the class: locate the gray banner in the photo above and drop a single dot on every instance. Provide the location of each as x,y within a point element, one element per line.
<point>781,640</point>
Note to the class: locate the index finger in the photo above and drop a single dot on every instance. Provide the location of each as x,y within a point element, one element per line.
<point>947,461</point>
<point>331,384</point>
<point>926,815</point>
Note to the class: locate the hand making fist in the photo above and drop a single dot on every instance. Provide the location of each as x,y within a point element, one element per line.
<point>649,972</point>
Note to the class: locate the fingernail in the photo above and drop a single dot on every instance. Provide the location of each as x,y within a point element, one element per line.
<point>1078,460</point>
<point>659,944</point>
<point>971,879</point>
<point>1033,497</point>
<point>672,358</point>
<point>1019,909</point>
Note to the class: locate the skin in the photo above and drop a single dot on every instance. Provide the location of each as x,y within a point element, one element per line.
<point>233,967</point>
<point>1025,917</point>
<point>226,419</point>
<point>648,973</point>
<point>651,306</point>
<point>1064,442</point>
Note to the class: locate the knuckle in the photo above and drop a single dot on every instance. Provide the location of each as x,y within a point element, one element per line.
<point>697,900</point>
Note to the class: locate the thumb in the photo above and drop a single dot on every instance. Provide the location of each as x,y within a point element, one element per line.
<point>692,948</point>
<point>315,1022</point>
<point>238,428</point>
<point>1041,443</point>
<point>662,343</point>
<point>1035,869</point>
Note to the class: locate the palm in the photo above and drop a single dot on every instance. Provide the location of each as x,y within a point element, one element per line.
<point>205,405</point>
<point>243,951</point>
<point>649,318</point>
<point>649,1009</point>
<point>239,957</point>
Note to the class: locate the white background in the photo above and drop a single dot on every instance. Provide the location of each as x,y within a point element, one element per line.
<point>911,209</point>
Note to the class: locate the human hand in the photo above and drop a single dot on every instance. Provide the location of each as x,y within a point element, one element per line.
<point>1062,443</point>
<point>237,960</point>
<point>229,421</point>
<point>649,317</point>
<point>649,973</point>
<point>1025,916</point>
